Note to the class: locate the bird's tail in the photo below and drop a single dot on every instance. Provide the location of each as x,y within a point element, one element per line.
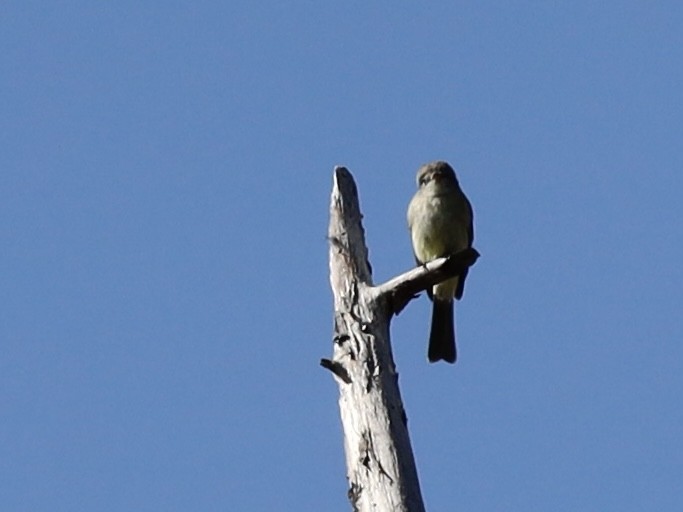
<point>442,335</point>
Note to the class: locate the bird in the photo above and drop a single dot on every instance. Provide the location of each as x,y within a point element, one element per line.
<point>440,220</point>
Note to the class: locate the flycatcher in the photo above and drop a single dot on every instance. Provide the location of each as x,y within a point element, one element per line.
<point>440,222</point>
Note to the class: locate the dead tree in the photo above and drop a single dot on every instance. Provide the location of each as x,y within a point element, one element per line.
<point>379,458</point>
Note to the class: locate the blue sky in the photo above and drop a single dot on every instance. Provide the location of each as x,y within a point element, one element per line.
<point>164,297</point>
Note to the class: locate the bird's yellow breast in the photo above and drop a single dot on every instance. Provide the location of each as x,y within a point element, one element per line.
<point>437,227</point>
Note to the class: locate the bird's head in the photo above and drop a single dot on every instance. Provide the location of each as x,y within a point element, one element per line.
<point>437,175</point>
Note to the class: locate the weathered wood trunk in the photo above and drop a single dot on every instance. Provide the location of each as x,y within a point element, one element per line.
<point>379,458</point>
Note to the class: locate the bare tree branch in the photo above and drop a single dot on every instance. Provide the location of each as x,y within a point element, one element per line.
<point>402,289</point>
<point>379,459</point>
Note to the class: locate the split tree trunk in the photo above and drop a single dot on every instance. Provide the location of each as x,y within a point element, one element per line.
<point>379,458</point>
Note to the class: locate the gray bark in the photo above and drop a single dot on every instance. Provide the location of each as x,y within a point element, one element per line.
<point>379,459</point>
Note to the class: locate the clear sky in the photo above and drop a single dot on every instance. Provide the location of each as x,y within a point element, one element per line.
<point>165,171</point>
